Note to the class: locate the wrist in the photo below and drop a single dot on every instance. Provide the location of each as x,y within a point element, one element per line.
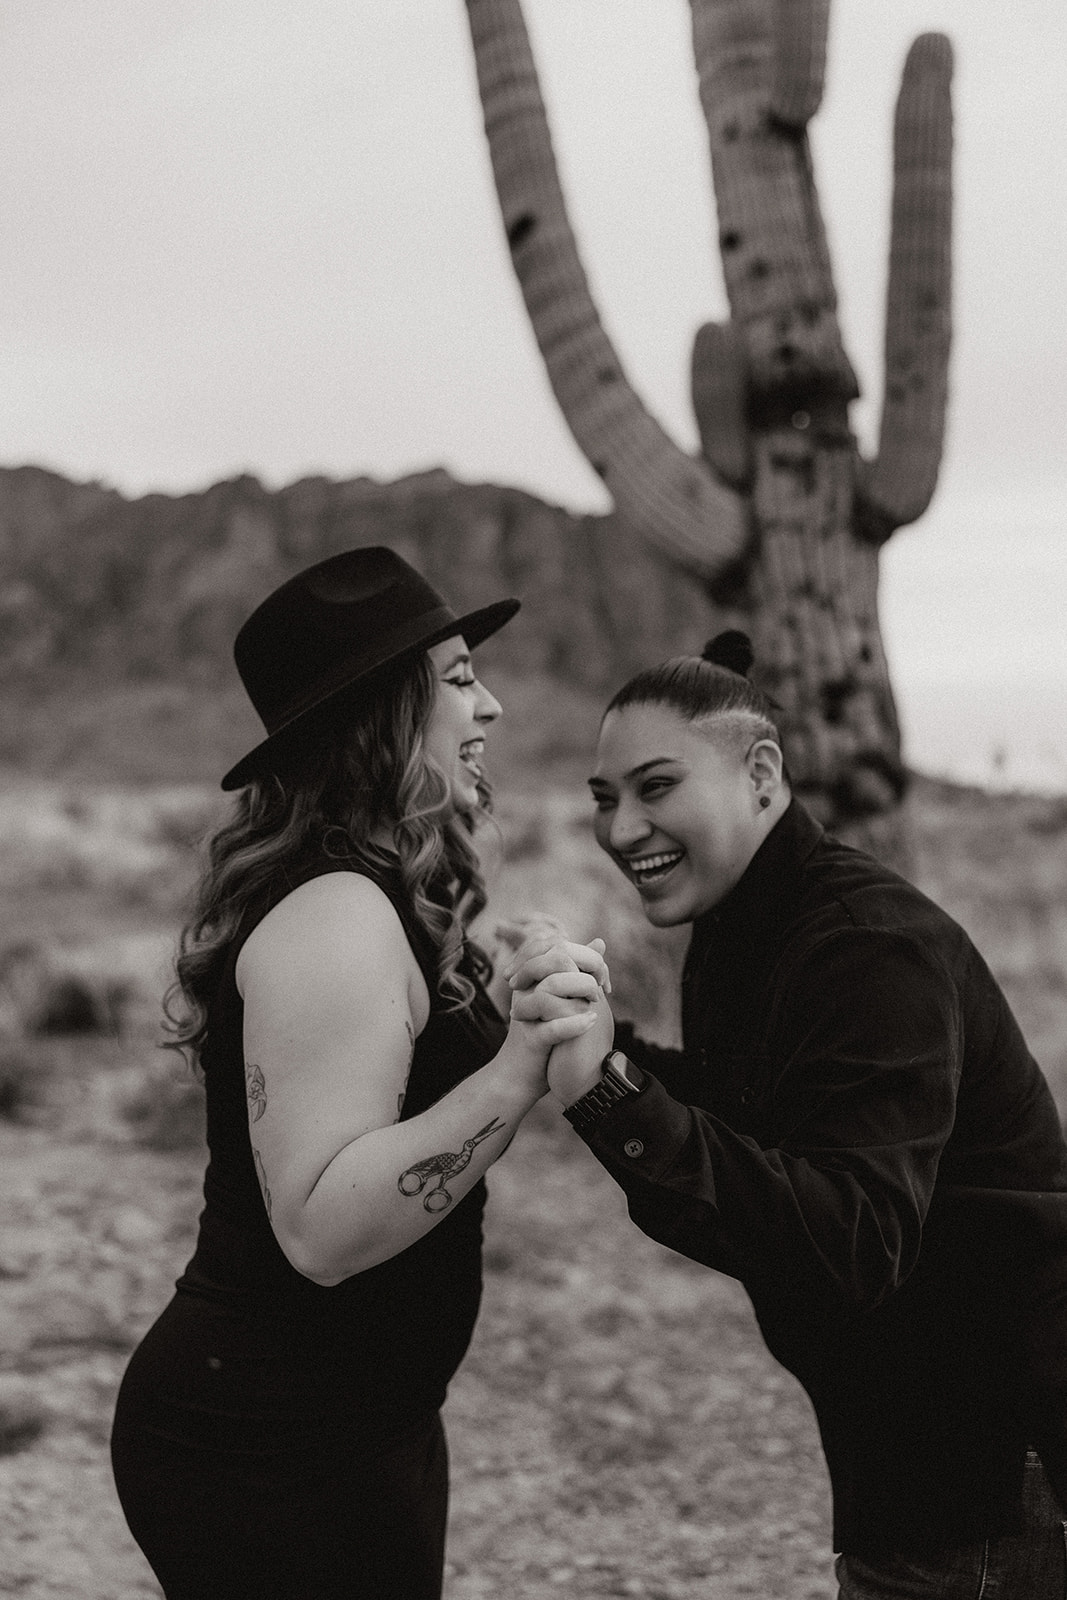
<point>579,1085</point>
<point>517,1076</point>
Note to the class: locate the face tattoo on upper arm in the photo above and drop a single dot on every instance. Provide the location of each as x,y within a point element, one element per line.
<point>257,1090</point>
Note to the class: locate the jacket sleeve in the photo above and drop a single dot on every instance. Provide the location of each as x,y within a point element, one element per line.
<point>864,1058</point>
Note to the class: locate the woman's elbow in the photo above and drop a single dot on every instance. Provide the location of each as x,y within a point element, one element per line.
<point>309,1262</point>
<point>321,1275</point>
<point>326,1260</point>
<point>309,1254</point>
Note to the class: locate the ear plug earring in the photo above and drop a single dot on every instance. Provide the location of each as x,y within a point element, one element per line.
<point>764,801</point>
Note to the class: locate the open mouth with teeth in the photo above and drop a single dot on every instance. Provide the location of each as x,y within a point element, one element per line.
<point>653,869</point>
<point>470,753</point>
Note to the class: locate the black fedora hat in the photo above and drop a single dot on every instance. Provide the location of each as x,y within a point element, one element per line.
<point>332,626</point>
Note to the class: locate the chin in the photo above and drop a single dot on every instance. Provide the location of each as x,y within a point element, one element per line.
<point>664,914</point>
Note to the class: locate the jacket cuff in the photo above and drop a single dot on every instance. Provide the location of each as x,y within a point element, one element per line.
<point>642,1133</point>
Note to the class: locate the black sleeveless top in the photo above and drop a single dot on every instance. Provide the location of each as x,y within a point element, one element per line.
<point>377,1349</point>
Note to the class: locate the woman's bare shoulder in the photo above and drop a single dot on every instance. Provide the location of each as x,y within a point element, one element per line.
<point>335,919</point>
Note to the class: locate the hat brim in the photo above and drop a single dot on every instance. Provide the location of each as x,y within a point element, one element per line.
<point>475,626</point>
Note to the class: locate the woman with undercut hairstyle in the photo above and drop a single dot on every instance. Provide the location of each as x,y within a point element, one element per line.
<point>277,1433</point>
<point>854,1128</point>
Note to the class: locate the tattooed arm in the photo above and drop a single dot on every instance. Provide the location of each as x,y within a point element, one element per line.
<point>333,1001</point>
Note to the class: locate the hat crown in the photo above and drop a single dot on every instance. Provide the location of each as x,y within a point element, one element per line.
<point>335,622</point>
<point>346,579</point>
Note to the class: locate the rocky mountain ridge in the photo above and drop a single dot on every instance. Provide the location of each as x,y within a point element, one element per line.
<point>96,586</point>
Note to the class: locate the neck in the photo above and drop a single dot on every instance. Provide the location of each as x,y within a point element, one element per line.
<point>777,809</point>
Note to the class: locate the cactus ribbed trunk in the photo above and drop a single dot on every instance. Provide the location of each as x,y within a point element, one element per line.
<point>811,593</point>
<point>813,615</point>
<point>787,516</point>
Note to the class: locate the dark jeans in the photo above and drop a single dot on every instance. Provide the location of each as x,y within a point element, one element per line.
<point>1031,1565</point>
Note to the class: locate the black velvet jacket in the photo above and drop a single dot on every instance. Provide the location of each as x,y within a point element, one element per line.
<point>856,1130</point>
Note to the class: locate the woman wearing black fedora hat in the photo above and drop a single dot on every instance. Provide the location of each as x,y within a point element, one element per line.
<point>277,1433</point>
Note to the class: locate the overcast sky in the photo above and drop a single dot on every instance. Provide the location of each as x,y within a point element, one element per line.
<point>246,235</point>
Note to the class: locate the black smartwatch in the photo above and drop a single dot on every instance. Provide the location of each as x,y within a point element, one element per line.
<point>619,1079</point>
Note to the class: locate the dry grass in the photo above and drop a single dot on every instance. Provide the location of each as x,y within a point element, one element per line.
<point>998,864</point>
<point>618,1428</point>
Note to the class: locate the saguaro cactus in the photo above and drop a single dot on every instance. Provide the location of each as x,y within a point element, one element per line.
<point>781,520</point>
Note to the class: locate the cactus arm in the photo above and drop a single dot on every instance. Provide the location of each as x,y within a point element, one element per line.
<point>672,498</point>
<point>897,487</point>
<point>776,262</point>
<point>719,386</point>
<point>799,65</point>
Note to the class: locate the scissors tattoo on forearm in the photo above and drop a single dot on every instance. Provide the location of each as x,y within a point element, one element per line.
<point>440,1168</point>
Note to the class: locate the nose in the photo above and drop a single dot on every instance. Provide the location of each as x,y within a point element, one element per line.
<point>627,827</point>
<point>487,707</point>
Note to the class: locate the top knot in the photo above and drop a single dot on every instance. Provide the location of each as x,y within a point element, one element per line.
<point>732,649</point>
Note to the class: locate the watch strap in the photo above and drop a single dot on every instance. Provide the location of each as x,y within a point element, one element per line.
<point>619,1080</point>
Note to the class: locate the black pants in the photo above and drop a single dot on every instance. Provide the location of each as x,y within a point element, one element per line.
<point>1029,1565</point>
<point>225,1508</point>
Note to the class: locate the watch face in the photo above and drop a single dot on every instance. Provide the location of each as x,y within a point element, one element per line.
<point>622,1068</point>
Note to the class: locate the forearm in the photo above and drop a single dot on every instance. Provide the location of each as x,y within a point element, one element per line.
<point>697,1185</point>
<point>847,1103</point>
<point>388,1188</point>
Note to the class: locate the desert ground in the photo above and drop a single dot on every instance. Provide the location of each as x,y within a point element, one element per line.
<point>618,1429</point>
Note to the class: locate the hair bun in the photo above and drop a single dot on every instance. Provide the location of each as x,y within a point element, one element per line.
<point>732,649</point>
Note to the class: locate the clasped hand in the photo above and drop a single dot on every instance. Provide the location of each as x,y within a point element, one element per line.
<point>557,977</point>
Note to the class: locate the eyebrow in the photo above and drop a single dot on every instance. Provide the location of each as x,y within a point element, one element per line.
<point>462,660</point>
<point>635,772</point>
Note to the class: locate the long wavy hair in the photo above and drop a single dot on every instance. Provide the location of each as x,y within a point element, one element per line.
<point>360,764</point>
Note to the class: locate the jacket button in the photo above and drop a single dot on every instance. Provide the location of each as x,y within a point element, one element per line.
<point>747,1096</point>
<point>634,1147</point>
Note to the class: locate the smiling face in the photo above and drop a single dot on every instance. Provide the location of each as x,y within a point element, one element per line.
<point>679,806</point>
<point>454,736</point>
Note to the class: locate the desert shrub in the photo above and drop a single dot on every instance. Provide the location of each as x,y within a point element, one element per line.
<point>39,999</point>
<point>20,1087</point>
<point>22,1418</point>
<point>23,969</point>
<point>1048,817</point>
<point>182,817</point>
<point>73,1003</point>
<point>163,1108</point>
